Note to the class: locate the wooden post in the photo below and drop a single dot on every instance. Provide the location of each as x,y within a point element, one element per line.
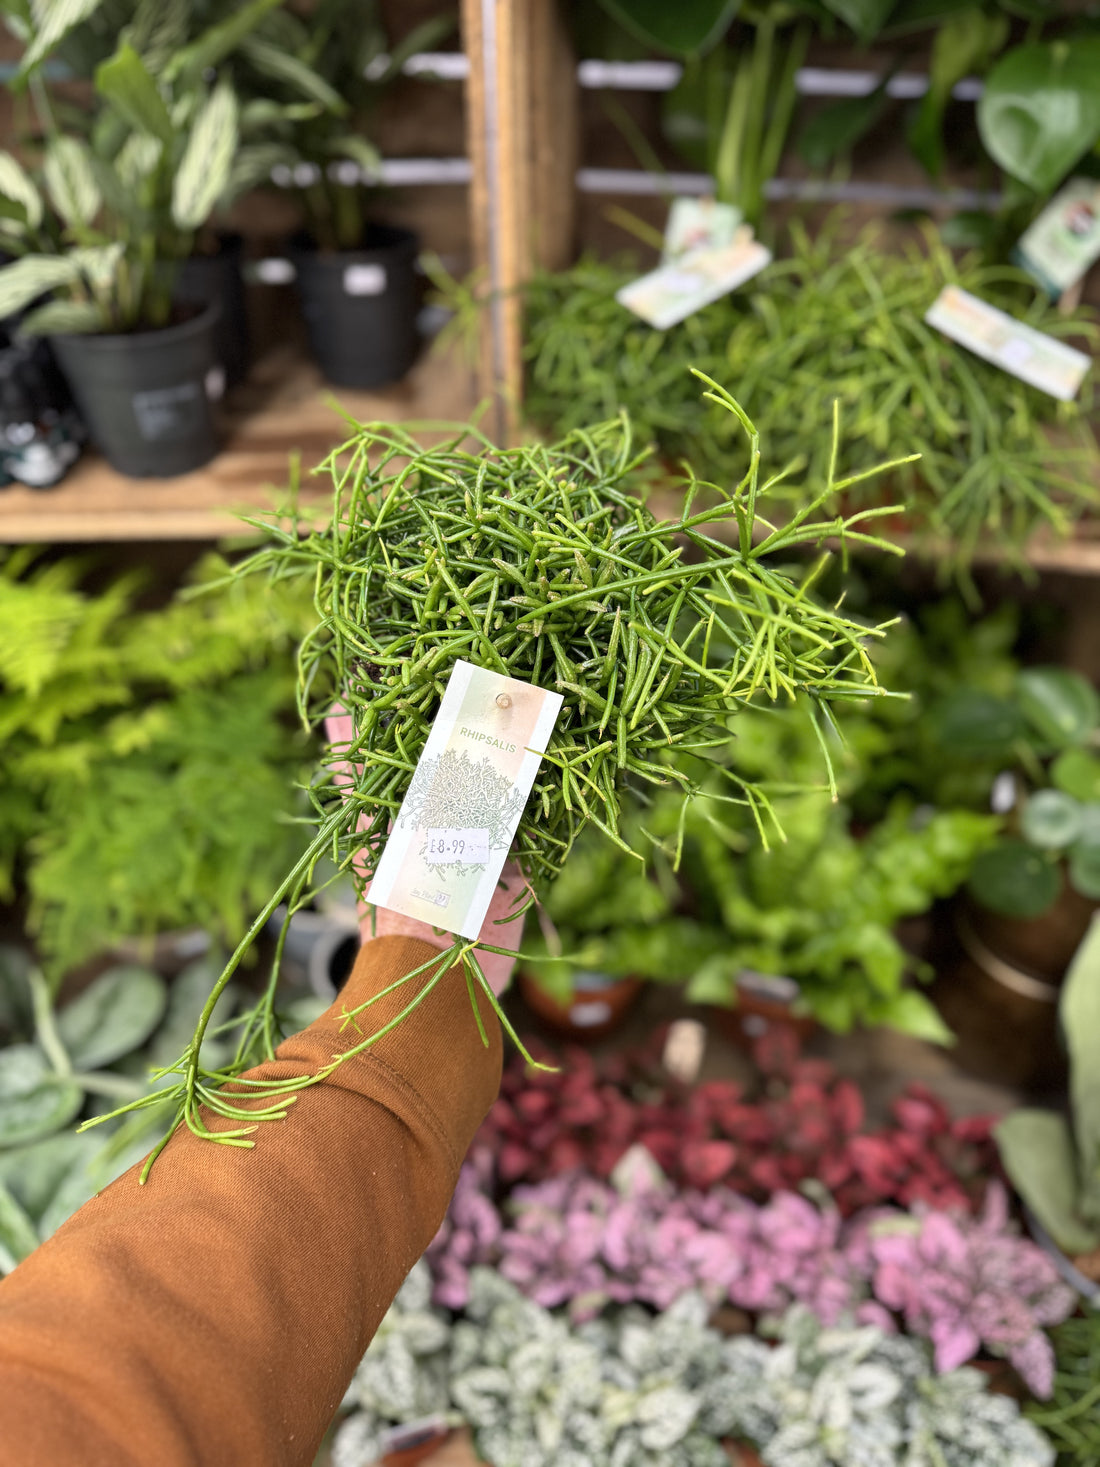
<point>521,124</point>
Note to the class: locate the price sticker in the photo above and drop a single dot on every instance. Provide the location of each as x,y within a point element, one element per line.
<point>453,847</point>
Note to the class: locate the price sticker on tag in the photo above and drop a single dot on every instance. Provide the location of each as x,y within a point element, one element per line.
<point>452,834</point>
<point>452,847</point>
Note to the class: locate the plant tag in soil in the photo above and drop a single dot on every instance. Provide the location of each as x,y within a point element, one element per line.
<point>455,826</point>
<point>673,292</point>
<point>1064,241</point>
<point>1040,360</point>
<point>696,224</point>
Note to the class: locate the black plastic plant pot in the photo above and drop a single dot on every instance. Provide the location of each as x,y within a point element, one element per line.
<point>146,395</point>
<point>360,307</point>
<point>206,278</point>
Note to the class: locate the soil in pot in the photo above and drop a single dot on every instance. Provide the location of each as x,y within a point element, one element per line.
<point>217,277</point>
<point>360,307</point>
<point>145,395</point>
<point>598,1005</point>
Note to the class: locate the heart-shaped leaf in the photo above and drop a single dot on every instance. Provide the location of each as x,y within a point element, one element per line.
<point>33,1101</point>
<point>1040,110</point>
<point>1014,879</point>
<point>687,28</point>
<point>1051,820</point>
<point>973,724</point>
<point>17,1234</point>
<point>1061,706</point>
<point>112,1017</point>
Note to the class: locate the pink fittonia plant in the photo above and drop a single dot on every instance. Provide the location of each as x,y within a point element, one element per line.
<point>965,1284</point>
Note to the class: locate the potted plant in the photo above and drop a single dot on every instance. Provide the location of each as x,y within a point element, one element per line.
<point>124,208</point>
<point>1054,1161</point>
<point>356,279</point>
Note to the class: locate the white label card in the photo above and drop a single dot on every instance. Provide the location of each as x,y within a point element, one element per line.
<point>453,832</point>
<point>1036,358</point>
<point>673,292</point>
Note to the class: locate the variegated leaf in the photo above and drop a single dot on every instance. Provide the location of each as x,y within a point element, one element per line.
<point>137,158</point>
<point>207,160</point>
<point>98,263</point>
<point>33,275</point>
<point>17,186</point>
<point>124,81</point>
<point>53,20</point>
<point>252,168</point>
<point>63,318</point>
<point>70,181</point>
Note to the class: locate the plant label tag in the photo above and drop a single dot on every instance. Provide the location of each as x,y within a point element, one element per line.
<point>364,279</point>
<point>673,292</point>
<point>453,832</point>
<point>696,224</point>
<point>1036,358</point>
<point>1064,240</point>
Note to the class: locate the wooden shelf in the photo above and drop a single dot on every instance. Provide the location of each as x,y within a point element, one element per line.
<point>283,408</point>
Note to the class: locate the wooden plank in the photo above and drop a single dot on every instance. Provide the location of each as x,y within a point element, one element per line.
<point>522,142</point>
<point>284,409</point>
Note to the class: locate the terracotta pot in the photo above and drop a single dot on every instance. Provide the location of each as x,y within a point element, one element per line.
<point>764,1000</point>
<point>598,1005</point>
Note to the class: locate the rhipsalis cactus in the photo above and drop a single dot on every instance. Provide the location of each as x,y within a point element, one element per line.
<point>539,563</point>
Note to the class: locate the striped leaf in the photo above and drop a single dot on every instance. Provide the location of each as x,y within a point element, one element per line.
<point>17,186</point>
<point>252,167</point>
<point>277,64</point>
<point>53,20</point>
<point>207,160</point>
<point>33,275</point>
<point>126,84</point>
<point>70,181</point>
<point>137,159</point>
<point>98,264</point>
<point>215,44</point>
<point>64,318</point>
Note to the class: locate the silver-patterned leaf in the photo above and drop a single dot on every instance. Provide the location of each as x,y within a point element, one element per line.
<point>53,20</point>
<point>33,1101</point>
<point>17,1234</point>
<point>70,180</point>
<point>112,1016</point>
<point>137,159</point>
<point>16,185</point>
<point>207,160</point>
<point>26,279</point>
<point>64,318</point>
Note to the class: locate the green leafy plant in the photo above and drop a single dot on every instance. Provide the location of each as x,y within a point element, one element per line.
<point>147,760</point>
<point>1049,725</point>
<point>112,212</point>
<point>540,563</point>
<point>1070,1420</point>
<point>997,459</point>
<point>1040,110</point>
<point>1054,1162</point>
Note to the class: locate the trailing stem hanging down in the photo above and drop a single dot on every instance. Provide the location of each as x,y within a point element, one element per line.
<point>541,563</point>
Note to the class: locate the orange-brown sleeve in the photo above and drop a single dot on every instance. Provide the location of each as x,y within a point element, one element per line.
<point>214,1317</point>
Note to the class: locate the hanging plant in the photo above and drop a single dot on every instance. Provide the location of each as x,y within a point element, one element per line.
<point>541,564</point>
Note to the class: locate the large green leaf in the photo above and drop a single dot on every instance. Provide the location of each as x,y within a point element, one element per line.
<point>33,1101</point>
<point>26,279</point>
<point>836,129</point>
<point>17,1234</point>
<point>1051,820</point>
<point>1016,880</point>
<point>1084,868</point>
<point>34,1173</point>
<point>686,28</point>
<point>70,180</point>
<point>221,40</point>
<point>1038,1154</point>
<point>112,1017</point>
<point>207,160</point>
<point>911,1012</point>
<point>277,64</point>
<point>1062,706</point>
<point>64,318</point>
<point>53,20</point>
<point>1079,1011</point>
<point>866,17</point>
<point>125,82</point>
<point>1040,110</point>
<point>16,185</point>
<point>973,724</point>
<point>962,45</point>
